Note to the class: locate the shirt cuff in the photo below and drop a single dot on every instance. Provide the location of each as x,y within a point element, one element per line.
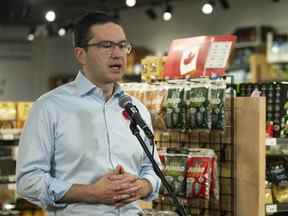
<point>155,182</point>
<point>56,191</point>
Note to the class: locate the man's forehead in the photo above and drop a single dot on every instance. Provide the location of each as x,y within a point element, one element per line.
<point>107,31</point>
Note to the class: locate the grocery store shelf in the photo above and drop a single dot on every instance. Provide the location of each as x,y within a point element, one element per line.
<point>276,141</point>
<point>9,136</point>
<point>276,208</point>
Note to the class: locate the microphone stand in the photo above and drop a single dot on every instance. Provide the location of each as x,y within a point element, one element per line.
<point>179,207</point>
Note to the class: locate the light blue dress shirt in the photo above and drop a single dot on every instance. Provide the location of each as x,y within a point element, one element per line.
<point>72,136</point>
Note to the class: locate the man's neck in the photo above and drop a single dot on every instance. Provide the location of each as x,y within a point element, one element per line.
<point>107,88</point>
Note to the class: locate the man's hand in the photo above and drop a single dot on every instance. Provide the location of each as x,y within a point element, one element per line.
<point>116,188</point>
<point>138,188</point>
<point>111,189</point>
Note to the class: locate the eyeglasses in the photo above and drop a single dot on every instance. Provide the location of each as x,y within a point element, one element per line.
<point>108,46</point>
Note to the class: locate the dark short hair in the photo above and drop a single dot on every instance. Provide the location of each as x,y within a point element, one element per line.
<point>82,26</point>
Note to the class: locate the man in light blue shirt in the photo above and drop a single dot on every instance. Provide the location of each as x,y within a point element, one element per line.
<point>77,155</point>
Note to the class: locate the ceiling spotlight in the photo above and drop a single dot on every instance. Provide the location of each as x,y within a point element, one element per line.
<point>50,16</point>
<point>130,3</point>
<point>207,8</point>
<point>150,12</point>
<point>62,32</point>
<point>224,4</point>
<point>31,35</point>
<point>167,14</point>
<point>116,15</point>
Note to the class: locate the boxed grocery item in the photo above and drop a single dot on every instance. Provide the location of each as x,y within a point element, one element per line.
<point>23,109</point>
<point>153,68</point>
<point>7,115</point>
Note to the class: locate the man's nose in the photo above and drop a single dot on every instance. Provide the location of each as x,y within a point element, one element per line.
<point>117,51</point>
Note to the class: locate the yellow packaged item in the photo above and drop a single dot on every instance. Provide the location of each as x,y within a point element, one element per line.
<point>7,115</point>
<point>153,68</point>
<point>280,193</point>
<point>23,109</point>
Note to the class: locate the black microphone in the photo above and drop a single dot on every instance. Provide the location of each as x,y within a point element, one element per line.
<point>126,103</point>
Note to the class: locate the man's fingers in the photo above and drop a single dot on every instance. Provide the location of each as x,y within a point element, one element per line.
<point>119,170</point>
<point>120,197</point>
<point>129,190</point>
<point>132,198</point>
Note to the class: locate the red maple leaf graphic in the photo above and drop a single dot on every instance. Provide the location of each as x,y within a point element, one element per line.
<point>189,58</point>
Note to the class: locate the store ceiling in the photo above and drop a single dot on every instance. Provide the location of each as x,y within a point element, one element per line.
<point>31,12</point>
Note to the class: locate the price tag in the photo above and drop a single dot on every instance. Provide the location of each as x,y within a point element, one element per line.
<point>12,186</point>
<point>7,137</point>
<point>271,209</point>
<point>271,141</point>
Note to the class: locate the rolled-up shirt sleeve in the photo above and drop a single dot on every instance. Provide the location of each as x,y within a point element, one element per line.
<point>147,172</point>
<point>34,176</point>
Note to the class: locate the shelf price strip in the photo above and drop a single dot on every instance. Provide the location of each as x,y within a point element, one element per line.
<point>271,209</point>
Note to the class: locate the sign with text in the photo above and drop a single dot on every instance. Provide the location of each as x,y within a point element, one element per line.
<point>199,56</point>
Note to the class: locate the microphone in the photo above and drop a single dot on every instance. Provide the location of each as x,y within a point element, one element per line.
<point>133,113</point>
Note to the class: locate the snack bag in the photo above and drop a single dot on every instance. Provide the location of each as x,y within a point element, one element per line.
<point>201,174</point>
<point>198,108</point>
<point>217,100</point>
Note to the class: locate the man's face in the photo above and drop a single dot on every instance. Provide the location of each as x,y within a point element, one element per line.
<point>100,63</point>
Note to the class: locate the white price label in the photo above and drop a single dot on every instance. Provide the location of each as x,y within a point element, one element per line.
<point>271,141</point>
<point>270,209</point>
<point>7,137</point>
<point>12,186</point>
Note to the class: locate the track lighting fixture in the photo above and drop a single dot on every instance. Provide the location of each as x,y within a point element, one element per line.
<point>150,12</point>
<point>224,4</point>
<point>167,14</point>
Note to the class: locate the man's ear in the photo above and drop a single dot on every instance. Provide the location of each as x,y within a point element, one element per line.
<point>80,55</point>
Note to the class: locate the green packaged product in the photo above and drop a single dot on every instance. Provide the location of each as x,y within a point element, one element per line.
<point>217,104</point>
<point>175,171</point>
<point>175,110</point>
<point>198,113</point>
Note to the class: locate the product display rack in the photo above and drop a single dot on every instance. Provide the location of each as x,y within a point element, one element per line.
<point>21,206</point>
<point>278,149</point>
<point>222,142</point>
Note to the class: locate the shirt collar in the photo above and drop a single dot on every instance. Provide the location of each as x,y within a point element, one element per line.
<point>85,86</point>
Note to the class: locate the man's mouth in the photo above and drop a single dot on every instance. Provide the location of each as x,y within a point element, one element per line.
<point>116,66</point>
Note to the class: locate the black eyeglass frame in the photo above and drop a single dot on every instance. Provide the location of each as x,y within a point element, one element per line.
<point>109,45</point>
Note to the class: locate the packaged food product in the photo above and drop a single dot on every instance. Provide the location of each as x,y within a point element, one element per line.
<point>280,193</point>
<point>175,108</point>
<point>198,114</point>
<point>277,173</point>
<point>175,170</point>
<point>7,115</point>
<point>201,174</point>
<point>153,68</point>
<point>268,193</point>
<point>217,100</point>
<point>23,109</point>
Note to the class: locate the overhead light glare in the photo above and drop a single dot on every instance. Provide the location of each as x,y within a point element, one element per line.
<point>30,37</point>
<point>50,16</point>
<point>130,3</point>
<point>207,8</point>
<point>62,32</point>
<point>167,14</point>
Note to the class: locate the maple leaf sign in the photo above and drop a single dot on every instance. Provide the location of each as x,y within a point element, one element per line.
<point>189,58</point>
